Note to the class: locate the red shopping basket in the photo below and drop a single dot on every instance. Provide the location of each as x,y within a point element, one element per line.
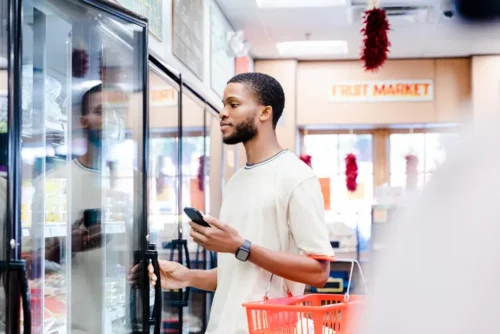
<point>308,314</point>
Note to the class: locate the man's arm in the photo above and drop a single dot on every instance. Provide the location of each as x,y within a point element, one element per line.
<point>203,279</point>
<point>225,239</point>
<point>306,212</point>
<point>297,268</point>
<point>176,276</point>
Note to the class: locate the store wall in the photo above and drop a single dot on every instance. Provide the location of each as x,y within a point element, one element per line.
<point>485,86</point>
<point>215,168</point>
<point>163,50</point>
<point>307,86</point>
<point>452,88</point>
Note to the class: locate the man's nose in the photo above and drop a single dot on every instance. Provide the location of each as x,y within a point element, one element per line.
<point>223,114</point>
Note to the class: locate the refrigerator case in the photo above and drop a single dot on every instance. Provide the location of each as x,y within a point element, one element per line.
<point>77,200</point>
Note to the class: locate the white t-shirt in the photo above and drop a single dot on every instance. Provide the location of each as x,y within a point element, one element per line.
<point>276,204</point>
<point>88,268</point>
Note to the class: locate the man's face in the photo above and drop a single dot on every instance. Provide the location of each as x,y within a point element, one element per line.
<point>238,118</point>
<point>93,116</point>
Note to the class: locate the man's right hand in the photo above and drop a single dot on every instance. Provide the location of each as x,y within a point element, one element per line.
<point>173,275</point>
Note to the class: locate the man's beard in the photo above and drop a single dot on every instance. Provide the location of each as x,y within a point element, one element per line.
<point>95,138</point>
<point>243,132</point>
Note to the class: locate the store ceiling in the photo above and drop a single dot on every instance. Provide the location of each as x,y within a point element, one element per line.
<point>423,31</point>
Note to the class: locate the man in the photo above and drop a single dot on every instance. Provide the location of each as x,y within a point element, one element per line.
<point>271,231</point>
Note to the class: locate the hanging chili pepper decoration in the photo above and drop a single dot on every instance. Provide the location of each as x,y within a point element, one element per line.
<point>201,170</point>
<point>307,159</point>
<point>351,172</point>
<point>376,42</point>
<point>411,171</point>
<point>80,63</point>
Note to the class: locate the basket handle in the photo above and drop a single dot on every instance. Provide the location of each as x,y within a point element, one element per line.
<point>353,262</point>
<point>288,292</point>
<point>346,296</point>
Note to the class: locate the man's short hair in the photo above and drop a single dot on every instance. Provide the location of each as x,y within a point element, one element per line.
<point>267,90</point>
<point>86,98</point>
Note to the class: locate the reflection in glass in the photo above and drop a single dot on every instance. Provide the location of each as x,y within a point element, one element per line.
<point>194,190</point>
<point>82,108</point>
<point>164,150</point>
<point>164,176</point>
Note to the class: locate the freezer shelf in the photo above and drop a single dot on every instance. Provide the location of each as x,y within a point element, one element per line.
<point>60,229</point>
<point>112,314</point>
<point>118,312</point>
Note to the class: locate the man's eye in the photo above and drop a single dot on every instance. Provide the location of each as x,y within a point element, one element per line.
<point>234,105</point>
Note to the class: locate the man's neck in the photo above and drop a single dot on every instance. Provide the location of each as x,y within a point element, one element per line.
<point>92,159</point>
<point>261,148</point>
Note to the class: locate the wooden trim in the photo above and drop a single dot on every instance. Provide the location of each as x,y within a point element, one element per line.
<point>303,131</point>
<point>380,157</point>
<point>426,130</point>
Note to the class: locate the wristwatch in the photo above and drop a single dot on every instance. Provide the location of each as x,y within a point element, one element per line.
<point>243,252</point>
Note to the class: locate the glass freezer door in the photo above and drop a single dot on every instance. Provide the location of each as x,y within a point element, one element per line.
<point>84,99</point>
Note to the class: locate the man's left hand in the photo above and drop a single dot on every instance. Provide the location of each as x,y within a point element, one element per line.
<point>220,237</point>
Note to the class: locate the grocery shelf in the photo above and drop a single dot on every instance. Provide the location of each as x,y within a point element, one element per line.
<point>112,314</point>
<point>59,229</point>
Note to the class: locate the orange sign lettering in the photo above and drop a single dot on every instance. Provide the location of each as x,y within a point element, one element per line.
<point>356,90</point>
<point>382,91</point>
<point>163,95</point>
<point>418,89</point>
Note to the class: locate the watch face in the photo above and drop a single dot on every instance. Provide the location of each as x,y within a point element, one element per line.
<point>242,255</point>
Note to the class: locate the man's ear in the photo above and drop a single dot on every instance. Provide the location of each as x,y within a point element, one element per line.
<point>266,114</point>
<point>84,122</point>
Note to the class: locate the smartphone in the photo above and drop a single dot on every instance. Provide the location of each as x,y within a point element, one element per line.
<point>195,216</point>
<point>91,217</point>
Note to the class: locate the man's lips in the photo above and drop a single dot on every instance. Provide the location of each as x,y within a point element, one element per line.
<point>224,124</point>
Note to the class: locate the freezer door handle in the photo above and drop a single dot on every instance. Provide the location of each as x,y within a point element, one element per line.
<point>152,254</point>
<point>16,280</point>
<point>25,296</point>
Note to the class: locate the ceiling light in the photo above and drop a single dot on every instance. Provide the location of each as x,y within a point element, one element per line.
<point>312,48</point>
<point>299,3</point>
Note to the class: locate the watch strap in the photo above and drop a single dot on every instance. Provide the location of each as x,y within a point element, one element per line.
<point>246,245</point>
<point>244,250</point>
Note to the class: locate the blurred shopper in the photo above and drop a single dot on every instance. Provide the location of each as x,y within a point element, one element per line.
<point>440,274</point>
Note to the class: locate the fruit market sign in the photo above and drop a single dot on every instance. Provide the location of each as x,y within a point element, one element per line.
<point>382,91</point>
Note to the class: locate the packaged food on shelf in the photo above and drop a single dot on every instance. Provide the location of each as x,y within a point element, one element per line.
<point>55,200</point>
<point>3,113</point>
<point>57,307</point>
<point>27,193</point>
